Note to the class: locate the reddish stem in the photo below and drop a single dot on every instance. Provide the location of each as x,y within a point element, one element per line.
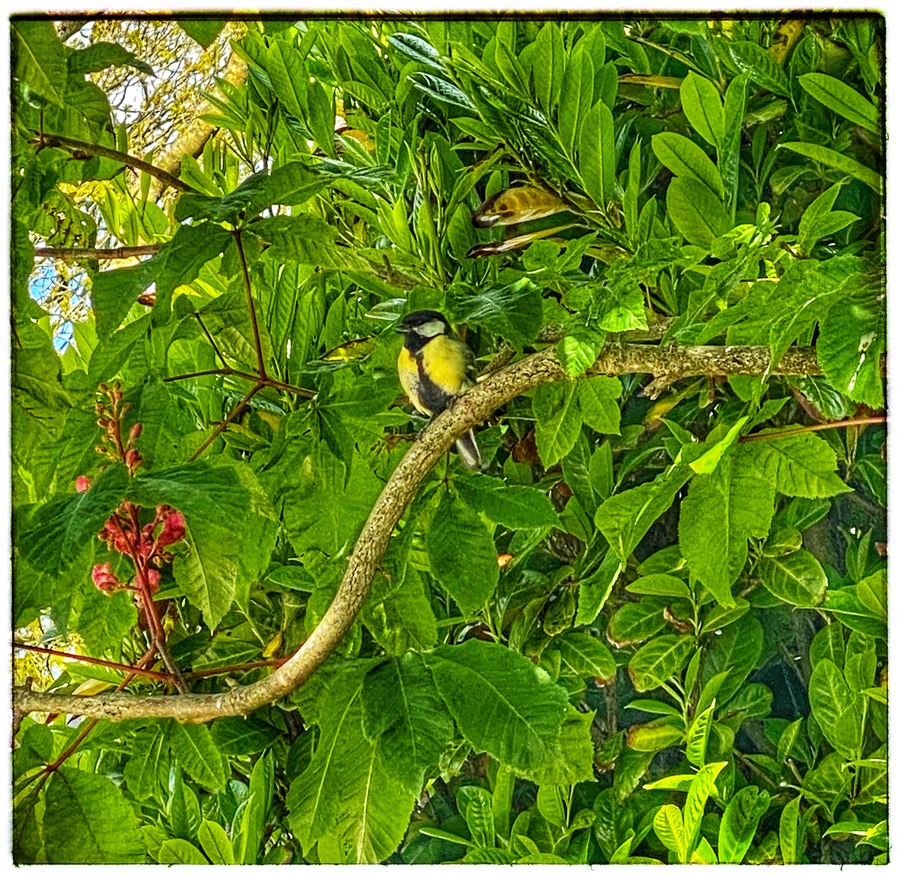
<point>165,678</point>
<point>823,426</point>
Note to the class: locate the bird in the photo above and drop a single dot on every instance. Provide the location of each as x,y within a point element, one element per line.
<point>433,369</point>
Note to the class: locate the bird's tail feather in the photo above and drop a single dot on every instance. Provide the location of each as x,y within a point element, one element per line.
<point>469,452</point>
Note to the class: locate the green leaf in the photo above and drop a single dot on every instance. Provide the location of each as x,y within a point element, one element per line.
<point>740,822</point>
<point>202,30</point>
<point>577,354</point>
<point>736,651</point>
<point>797,578</point>
<point>585,655</point>
<point>401,706</point>
<point>751,58</point>
<point>655,663</point>
<point>514,507</point>
<point>708,461</point>
<point>838,161</point>
<point>504,705</point>
<point>347,792</point>
<point>548,65</point>
<point>325,511</point>
<point>54,534</point>
<point>597,398</point>
<point>835,707</point>
<point>215,843</point>
<point>462,553</point>
<point>242,736</point>
<point>577,88</point>
<point>696,798</point>
<point>841,98</point>
<point>802,465</point>
<point>195,751</point>
<point>668,826</point>
<point>851,345</point>
<point>597,156</point>
<point>512,311</point>
<point>625,518</point>
<point>687,160</point>
<point>872,593</point>
<point>100,55</point>
<point>177,851</point>
<point>661,585</point>
<point>696,211</point>
<point>306,239</point>
<point>39,57</point>
<point>475,805</point>
<point>720,513</point>
<point>87,821</point>
<point>703,108</point>
<point>595,589</point>
<point>400,619</point>
<point>571,753</point>
<point>697,737</point>
<point>558,420</point>
<point>854,614</point>
<point>637,621</point>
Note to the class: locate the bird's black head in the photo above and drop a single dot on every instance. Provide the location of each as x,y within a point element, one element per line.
<point>424,323</point>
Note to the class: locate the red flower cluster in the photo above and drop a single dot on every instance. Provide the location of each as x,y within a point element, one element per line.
<point>147,544</point>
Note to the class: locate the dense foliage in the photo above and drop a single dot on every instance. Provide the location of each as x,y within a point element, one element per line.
<point>654,629</point>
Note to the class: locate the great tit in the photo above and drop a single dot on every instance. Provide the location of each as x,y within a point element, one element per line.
<point>433,370</point>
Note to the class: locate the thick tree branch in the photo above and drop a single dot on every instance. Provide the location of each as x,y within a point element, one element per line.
<point>422,456</point>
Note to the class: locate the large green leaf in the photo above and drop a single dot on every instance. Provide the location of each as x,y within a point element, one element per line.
<point>87,821</point>
<point>40,61</point>
<point>347,792</point>
<point>840,97</point>
<point>697,211</point>
<point>597,155</point>
<point>751,58</point>
<point>686,159</point>
<point>703,108</point>
<point>851,345</point>
<point>836,709</point>
<point>838,161</point>
<point>722,510</point>
<point>403,709</point>
<point>625,518</point>
<point>740,822</point>
<point>797,578</point>
<point>463,556</point>
<point>504,705</point>
<point>558,420</point>
<point>802,465</point>
<point>654,663</point>
<point>54,534</point>
<point>195,751</point>
<point>511,311</point>
<point>585,655</point>
<point>735,651</point>
<point>512,506</point>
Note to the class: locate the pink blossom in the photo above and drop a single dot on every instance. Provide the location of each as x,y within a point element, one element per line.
<point>173,529</point>
<point>104,578</point>
<point>82,484</point>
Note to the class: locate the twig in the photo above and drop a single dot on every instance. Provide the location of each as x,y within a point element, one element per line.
<point>236,411</point>
<point>211,340</point>
<point>822,426</point>
<point>254,322</point>
<point>78,147</point>
<point>119,254</point>
<point>165,678</point>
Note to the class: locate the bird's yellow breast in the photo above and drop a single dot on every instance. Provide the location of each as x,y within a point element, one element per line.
<point>444,363</point>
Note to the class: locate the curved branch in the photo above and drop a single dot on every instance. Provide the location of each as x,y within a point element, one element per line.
<point>80,253</point>
<point>480,402</point>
